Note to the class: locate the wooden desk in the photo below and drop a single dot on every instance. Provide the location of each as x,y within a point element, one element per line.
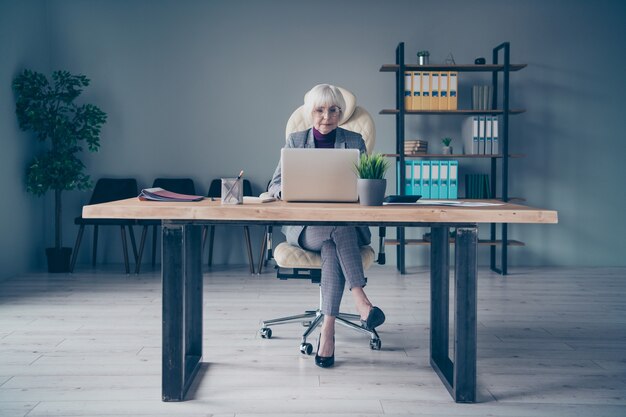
<point>182,271</point>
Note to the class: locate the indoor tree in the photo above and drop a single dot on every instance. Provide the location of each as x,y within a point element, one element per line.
<point>48,110</point>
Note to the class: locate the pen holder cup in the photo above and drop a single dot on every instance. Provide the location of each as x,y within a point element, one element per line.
<point>232,191</point>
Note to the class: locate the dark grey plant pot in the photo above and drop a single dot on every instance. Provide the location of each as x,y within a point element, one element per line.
<point>58,259</point>
<point>371,192</point>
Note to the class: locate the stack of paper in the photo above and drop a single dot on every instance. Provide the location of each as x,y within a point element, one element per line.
<point>159,194</point>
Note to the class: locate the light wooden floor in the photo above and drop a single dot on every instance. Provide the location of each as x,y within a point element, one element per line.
<point>552,342</point>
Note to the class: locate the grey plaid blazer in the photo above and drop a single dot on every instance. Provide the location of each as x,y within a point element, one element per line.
<point>344,139</point>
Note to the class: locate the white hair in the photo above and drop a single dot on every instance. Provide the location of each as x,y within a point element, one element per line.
<point>324,95</point>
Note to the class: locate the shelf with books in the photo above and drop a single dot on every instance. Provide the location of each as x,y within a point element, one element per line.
<point>499,89</point>
<point>450,156</point>
<point>425,242</point>
<point>456,112</point>
<point>458,68</point>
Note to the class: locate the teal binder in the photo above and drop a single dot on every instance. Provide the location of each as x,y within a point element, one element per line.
<point>417,175</point>
<point>454,180</point>
<point>413,178</point>
<point>425,179</point>
<point>444,179</point>
<point>435,179</point>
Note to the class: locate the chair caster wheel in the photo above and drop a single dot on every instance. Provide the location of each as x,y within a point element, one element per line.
<point>306,348</point>
<point>375,344</point>
<point>266,333</point>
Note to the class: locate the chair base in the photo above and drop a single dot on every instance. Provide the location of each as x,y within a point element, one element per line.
<point>312,319</point>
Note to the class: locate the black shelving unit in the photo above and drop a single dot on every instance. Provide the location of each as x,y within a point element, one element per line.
<point>500,78</point>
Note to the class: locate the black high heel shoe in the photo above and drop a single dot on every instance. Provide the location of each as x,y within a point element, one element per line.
<point>375,318</point>
<point>324,361</point>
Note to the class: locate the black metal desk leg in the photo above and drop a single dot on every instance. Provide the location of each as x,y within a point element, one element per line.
<point>182,308</point>
<point>439,290</point>
<point>465,315</point>
<point>439,304</point>
<point>458,376</point>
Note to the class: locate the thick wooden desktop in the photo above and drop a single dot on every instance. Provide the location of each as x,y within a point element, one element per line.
<point>182,270</point>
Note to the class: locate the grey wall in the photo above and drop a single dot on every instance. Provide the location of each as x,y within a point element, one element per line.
<point>204,89</point>
<point>22,45</point>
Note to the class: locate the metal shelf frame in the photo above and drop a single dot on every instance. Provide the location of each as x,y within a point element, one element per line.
<point>500,88</point>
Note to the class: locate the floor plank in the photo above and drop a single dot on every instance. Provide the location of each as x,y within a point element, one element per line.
<point>551,341</point>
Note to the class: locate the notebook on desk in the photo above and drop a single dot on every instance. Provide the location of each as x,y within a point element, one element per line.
<point>322,175</point>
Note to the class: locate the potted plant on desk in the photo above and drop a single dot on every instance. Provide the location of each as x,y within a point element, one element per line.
<point>50,112</point>
<point>371,183</point>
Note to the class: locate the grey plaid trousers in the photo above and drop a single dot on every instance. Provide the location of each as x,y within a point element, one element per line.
<point>341,261</point>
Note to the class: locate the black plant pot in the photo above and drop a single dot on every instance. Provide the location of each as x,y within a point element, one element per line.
<point>58,259</point>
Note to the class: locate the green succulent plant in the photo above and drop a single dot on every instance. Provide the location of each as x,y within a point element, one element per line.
<point>372,167</point>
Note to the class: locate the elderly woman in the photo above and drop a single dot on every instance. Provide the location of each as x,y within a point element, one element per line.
<point>338,245</point>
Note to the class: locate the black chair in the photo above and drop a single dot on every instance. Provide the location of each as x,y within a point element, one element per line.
<point>215,191</point>
<point>176,185</point>
<point>108,189</point>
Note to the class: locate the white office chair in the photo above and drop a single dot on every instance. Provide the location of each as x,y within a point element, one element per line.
<point>295,262</point>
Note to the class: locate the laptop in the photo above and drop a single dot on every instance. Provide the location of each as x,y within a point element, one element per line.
<point>322,175</point>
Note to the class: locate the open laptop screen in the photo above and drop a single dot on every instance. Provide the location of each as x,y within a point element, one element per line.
<point>310,174</point>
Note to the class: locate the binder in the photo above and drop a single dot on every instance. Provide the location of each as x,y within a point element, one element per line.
<point>475,97</point>
<point>444,179</point>
<point>495,147</point>
<point>470,135</point>
<point>443,91</point>
<point>488,136</point>
<point>425,179</point>
<point>408,177</point>
<point>477,186</point>
<point>408,90</point>
<point>425,89</point>
<point>452,87</point>
<point>472,188</point>
<point>487,188</point>
<point>417,176</point>
<point>481,135</point>
<point>454,180</point>
<point>434,91</point>
<point>486,97</point>
<point>435,179</point>
<point>417,91</point>
<point>413,178</point>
